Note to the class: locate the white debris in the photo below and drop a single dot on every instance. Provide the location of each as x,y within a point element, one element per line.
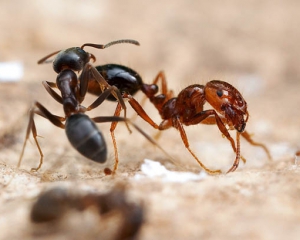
<point>152,169</point>
<point>11,71</point>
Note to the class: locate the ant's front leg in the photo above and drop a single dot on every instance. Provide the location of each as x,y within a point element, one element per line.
<point>42,111</point>
<point>245,135</point>
<point>140,110</point>
<point>175,122</point>
<point>121,119</point>
<point>90,72</point>
<point>211,120</point>
<point>238,154</point>
<point>211,117</point>
<point>49,88</point>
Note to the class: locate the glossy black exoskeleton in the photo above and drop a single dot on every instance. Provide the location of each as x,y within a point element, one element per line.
<point>80,129</point>
<point>94,146</point>
<point>124,78</point>
<point>128,82</point>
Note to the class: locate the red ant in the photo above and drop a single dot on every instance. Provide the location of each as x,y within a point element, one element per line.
<point>186,109</point>
<point>81,130</point>
<point>230,109</point>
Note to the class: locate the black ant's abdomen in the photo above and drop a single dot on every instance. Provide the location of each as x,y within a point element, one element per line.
<point>124,78</point>
<point>84,136</point>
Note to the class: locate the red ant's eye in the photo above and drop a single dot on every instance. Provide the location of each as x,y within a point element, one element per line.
<point>219,93</point>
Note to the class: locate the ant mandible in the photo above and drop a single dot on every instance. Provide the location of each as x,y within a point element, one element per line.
<point>81,130</point>
<point>230,109</point>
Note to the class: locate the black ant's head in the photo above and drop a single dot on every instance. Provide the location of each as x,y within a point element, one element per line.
<point>75,58</point>
<point>227,101</point>
<point>72,58</point>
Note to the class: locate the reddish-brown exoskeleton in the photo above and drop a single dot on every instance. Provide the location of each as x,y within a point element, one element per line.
<point>229,112</point>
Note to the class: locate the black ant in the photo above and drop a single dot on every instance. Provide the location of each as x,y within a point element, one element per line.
<point>81,130</point>
<point>129,82</point>
<point>54,204</point>
<point>230,109</point>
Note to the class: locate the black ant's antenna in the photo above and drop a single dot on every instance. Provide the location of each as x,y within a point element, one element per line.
<point>101,46</point>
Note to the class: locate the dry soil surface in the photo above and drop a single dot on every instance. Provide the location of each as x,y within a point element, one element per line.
<point>253,45</point>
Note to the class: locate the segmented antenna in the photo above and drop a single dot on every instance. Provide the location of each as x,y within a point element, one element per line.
<point>101,46</point>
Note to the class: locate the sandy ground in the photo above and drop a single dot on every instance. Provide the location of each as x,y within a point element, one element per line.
<point>253,45</point>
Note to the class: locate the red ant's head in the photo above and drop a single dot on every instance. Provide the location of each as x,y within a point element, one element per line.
<point>227,101</point>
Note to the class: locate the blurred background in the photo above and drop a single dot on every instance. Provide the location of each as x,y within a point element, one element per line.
<point>253,45</point>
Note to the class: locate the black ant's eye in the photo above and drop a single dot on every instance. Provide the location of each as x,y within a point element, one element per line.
<point>219,93</point>
<point>80,51</point>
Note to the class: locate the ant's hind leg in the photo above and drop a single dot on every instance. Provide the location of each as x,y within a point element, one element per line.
<point>164,89</point>
<point>247,136</point>
<point>31,128</point>
<point>42,111</point>
<point>150,90</point>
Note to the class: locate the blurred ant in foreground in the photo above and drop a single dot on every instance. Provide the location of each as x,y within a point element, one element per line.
<point>53,205</point>
<point>230,109</point>
<point>81,130</point>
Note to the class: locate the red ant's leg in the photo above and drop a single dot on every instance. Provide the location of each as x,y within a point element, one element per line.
<point>238,154</point>
<point>140,111</point>
<point>211,117</point>
<point>247,136</point>
<point>177,124</point>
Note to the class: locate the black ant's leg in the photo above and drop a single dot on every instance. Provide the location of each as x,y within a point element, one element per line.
<point>49,87</point>
<point>95,104</point>
<point>104,95</point>
<point>42,111</point>
<point>121,119</point>
<point>90,72</point>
